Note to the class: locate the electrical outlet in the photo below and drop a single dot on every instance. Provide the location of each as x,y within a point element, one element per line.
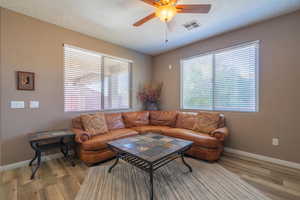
<point>275,141</point>
<point>170,67</point>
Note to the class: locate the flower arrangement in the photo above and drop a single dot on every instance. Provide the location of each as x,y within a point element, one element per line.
<point>150,95</point>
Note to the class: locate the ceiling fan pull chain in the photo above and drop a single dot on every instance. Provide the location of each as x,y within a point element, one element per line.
<point>166,34</point>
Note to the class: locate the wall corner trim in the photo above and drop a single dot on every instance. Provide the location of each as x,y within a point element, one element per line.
<point>263,158</point>
<point>26,162</point>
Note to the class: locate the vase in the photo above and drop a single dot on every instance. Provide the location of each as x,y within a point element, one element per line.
<point>151,106</point>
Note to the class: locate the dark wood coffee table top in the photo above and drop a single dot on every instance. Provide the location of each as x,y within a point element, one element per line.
<point>150,146</point>
<point>47,135</point>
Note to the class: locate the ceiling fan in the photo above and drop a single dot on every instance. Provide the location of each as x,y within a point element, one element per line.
<point>167,9</point>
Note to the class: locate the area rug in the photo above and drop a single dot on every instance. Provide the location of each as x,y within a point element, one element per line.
<point>208,181</point>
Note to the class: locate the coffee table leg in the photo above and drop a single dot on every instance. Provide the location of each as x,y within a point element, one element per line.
<point>188,166</point>
<point>151,183</point>
<point>115,163</point>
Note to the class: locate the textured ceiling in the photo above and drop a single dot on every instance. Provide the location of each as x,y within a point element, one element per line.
<point>111,20</point>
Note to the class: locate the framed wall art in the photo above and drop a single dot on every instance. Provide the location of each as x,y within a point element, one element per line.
<point>25,80</point>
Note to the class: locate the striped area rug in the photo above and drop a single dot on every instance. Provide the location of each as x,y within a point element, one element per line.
<point>208,181</point>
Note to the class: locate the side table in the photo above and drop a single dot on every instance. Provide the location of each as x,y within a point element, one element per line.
<point>46,140</point>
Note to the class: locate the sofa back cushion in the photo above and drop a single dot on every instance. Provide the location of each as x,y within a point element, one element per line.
<point>133,119</point>
<point>95,124</point>
<point>163,118</point>
<point>186,120</point>
<point>207,122</point>
<point>114,121</point>
<point>76,123</point>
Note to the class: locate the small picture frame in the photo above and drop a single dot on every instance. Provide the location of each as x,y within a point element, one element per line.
<point>25,80</point>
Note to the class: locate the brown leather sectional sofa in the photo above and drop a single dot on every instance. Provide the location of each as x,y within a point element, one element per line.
<point>207,146</point>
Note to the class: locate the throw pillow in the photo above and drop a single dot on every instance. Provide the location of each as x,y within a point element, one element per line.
<point>207,122</point>
<point>114,121</point>
<point>94,124</point>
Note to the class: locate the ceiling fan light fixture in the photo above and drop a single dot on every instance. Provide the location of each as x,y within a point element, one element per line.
<point>166,13</point>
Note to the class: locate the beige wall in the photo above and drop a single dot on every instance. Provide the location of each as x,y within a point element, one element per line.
<point>279,94</point>
<point>28,44</point>
<point>31,45</point>
<point>0,88</point>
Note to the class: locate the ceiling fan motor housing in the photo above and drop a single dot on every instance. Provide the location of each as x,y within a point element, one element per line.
<point>166,12</point>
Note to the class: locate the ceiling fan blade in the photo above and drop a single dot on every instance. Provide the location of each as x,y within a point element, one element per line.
<point>151,2</point>
<point>201,8</point>
<point>144,20</point>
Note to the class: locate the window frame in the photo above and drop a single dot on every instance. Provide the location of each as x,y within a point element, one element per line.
<point>130,64</point>
<point>213,53</point>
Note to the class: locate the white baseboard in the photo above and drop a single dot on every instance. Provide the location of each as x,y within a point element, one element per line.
<point>229,150</point>
<point>263,158</point>
<point>26,162</point>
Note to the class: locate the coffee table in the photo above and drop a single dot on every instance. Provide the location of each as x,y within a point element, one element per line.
<point>149,152</point>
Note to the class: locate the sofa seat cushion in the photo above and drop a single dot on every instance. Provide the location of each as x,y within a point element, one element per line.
<point>200,139</point>
<point>133,119</point>
<point>163,118</point>
<point>149,128</point>
<point>99,141</point>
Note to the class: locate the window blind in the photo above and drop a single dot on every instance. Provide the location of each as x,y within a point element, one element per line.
<point>222,80</point>
<point>82,80</point>
<point>94,82</point>
<point>235,79</point>
<point>197,79</point>
<point>116,84</point>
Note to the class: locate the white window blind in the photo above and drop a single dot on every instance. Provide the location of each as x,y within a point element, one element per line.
<point>222,80</point>
<point>197,79</point>
<point>235,80</point>
<point>84,73</point>
<point>82,82</point>
<point>116,84</point>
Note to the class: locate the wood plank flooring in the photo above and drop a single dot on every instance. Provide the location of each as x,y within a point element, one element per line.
<point>58,180</point>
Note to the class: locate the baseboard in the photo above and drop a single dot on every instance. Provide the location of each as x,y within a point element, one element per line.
<point>229,150</point>
<point>26,162</point>
<point>263,158</point>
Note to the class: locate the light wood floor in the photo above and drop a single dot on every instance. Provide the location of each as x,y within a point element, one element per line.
<point>58,180</point>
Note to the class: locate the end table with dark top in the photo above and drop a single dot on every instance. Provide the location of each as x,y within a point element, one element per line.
<point>47,140</point>
<point>149,152</point>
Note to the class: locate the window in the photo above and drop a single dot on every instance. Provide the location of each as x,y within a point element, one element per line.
<point>116,84</point>
<point>223,80</point>
<point>93,81</point>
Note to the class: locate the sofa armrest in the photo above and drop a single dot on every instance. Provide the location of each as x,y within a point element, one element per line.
<point>81,135</point>
<point>220,133</point>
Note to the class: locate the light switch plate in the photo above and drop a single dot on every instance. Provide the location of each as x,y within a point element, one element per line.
<point>34,104</point>
<point>17,104</point>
